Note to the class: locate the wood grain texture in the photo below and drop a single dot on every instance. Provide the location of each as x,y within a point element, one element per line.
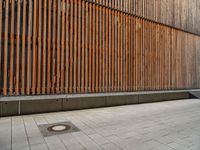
<point>49,46</point>
<point>1,49</point>
<point>17,75</point>
<point>5,56</point>
<point>68,46</point>
<point>44,47</point>
<point>34,47</point>
<point>23,57</point>
<point>58,33</point>
<point>39,46</point>
<point>182,14</point>
<point>29,49</point>
<point>12,46</point>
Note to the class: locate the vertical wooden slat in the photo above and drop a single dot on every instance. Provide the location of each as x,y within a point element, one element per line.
<point>166,59</point>
<point>49,47</point>
<point>39,47</point>
<point>29,41</point>
<point>17,48</point>
<point>79,48</point>
<point>106,48</point>
<point>58,48</point>
<point>109,50</point>
<point>101,79</point>
<point>113,51</point>
<point>116,36</point>
<point>90,48</point>
<point>71,46</point>
<point>100,48</point>
<point>44,47</point>
<point>1,68</point>
<point>148,61</point>
<point>161,57</point>
<point>83,47</point>
<point>140,52</point>
<point>118,49</point>
<point>63,11</point>
<point>67,60</point>
<point>75,49</point>
<point>143,43</point>
<point>171,60</point>
<point>103,48</point>
<point>134,54</point>
<point>154,56</point>
<point>130,52</point>
<point>97,51</point>
<point>126,53</point>
<point>93,47</point>
<point>53,76</point>
<point>145,56</point>
<point>23,48</point>
<point>11,45</point>
<point>151,58</point>
<point>87,46</point>
<point>121,52</point>
<point>5,48</point>
<point>34,47</point>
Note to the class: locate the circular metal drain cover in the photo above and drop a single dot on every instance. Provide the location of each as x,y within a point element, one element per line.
<point>58,128</point>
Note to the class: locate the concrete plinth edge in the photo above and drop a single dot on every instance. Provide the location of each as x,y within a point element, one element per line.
<point>30,105</point>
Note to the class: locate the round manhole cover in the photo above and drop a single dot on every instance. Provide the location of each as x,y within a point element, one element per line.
<point>58,128</point>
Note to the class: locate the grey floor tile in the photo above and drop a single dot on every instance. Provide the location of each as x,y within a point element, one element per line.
<point>170,125</point>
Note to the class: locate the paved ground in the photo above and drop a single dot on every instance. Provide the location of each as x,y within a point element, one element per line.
<point>173,125</point>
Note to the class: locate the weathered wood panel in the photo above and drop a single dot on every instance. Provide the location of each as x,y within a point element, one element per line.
<point>67,46</point>
<point>183,14</point>
<point>1,48</point>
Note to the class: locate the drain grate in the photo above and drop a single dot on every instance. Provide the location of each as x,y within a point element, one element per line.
<point>57,128</point>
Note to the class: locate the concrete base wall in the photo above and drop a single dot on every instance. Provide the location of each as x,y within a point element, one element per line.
<point>30,106</point>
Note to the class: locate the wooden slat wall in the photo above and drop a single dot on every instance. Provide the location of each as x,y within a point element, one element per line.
<point>68,46</point>
<point>1,49</point>
<point>183,14</point>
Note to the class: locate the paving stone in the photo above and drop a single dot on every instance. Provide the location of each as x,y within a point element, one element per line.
<point>172,125</point>
<point>39,147</point>
<point>110,147</point>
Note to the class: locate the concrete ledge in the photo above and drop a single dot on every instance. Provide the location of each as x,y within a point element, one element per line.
<point>83,103</point>
<point>41,104</point>
<point>121,100</point>
<point>9,108</point>
<point>63,96</point>
<point>158,97</point>
<point>176,96</point>
<point>147,98</point>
